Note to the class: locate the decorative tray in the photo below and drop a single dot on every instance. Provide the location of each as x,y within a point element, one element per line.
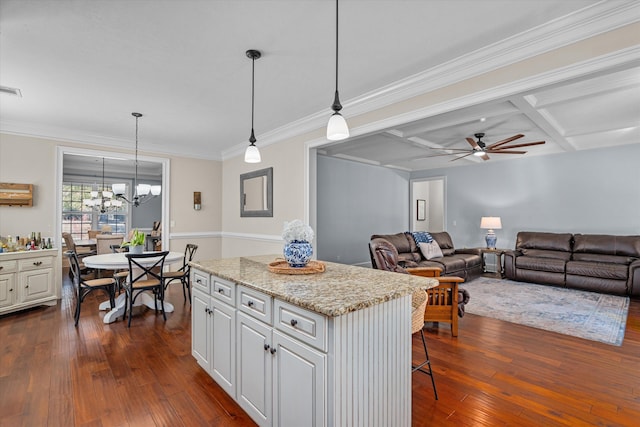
<point>283,267</point>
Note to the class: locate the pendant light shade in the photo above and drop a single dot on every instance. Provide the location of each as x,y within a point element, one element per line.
<point>252,154</point>
<point>337,128</point>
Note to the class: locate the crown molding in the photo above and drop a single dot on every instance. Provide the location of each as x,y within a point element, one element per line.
<point>583,24</point>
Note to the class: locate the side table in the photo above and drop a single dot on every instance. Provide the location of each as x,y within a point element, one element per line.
<point>497,267</point>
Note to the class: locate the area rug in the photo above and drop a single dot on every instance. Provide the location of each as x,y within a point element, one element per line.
<point>588,315</point>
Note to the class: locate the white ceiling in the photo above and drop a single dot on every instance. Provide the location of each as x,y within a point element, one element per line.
<point>84,66</point>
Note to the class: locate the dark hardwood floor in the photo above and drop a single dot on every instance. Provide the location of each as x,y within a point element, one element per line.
<point>494,374</point>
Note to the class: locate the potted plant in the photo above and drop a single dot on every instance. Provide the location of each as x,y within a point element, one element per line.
<point>298,237</point>
<point>136,244</point>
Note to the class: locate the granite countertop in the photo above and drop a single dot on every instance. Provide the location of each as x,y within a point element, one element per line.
<point>337,291</point>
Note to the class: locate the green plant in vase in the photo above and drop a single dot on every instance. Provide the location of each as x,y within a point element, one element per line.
<point>136,244</point>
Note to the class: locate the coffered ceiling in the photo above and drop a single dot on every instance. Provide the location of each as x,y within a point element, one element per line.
<point>84,66</point>
<point>597,111</point>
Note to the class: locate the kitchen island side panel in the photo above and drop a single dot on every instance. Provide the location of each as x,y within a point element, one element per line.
<point>370,366</point>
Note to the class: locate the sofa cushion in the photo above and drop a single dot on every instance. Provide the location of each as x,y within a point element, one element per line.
<point>470,260</point>
<point>399,240</point>
<point>612,259</point>
<point>430,250</point>
<point>597,284</point>
<point>546,241</point>
<point>540,264</point>
<point>444,241</point>
<point>607,244</point>
<point>598,269</point>
<point>542,253</point>
<point>451,263</point>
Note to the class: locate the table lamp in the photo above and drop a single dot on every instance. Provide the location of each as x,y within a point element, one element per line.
<point>491,223</point>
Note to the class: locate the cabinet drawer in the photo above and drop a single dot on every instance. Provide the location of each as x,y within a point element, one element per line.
<point>200,281</point>
<point>301,324</point>
<point>8,266</point>
<point>36,263</point>
<point>255,304</point>
<point>223,290</point>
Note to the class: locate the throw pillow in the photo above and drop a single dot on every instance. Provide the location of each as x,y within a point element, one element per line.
<point>421,236</point>
<point>430,250</point>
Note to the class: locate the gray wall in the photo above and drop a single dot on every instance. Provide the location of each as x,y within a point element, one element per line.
<point>355,201</point>
<point>144,215</point>
<point>590,191</point>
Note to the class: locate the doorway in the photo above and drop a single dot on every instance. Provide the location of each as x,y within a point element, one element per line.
<point>428,204</point>
<point>70,163</point>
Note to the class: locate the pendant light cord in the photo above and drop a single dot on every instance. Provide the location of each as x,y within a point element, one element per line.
<point>336,46</point>
<point>253,81</point>
<point>135,181</point>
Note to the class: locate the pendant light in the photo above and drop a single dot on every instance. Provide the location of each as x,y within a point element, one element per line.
<point>252,154</point>
<point>337,128</point>
<point>142,191</point>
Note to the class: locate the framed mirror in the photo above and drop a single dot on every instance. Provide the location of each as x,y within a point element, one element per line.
<point>256,193</point>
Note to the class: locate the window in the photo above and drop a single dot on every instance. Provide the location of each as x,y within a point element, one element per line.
<point>77,218</point>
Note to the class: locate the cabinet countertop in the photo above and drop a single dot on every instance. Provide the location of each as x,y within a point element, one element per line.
<point>29,254</point>
<point>339,290</point>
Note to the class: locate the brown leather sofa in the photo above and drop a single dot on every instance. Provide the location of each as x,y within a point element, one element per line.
<point>600,263</point>
<point>464,263</point>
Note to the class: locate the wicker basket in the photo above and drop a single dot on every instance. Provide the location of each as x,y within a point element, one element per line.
<point>283,267</point>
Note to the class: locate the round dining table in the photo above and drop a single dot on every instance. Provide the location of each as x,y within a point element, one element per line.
<point>118,261</point>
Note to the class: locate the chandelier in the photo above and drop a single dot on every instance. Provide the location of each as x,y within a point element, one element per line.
<point>102,200</point>
<point>143,192</point>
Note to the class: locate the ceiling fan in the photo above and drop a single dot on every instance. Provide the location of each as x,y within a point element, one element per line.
<point>480,149</point>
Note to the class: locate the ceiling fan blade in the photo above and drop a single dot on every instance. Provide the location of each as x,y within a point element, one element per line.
<point>504,141</point>
<point>484,157</point>
<point>526,144</point>
<point>460,157</point>
<point>473,143</point>
<point>505,152</point>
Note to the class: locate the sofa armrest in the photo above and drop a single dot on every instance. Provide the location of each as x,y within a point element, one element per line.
<point>510,263</point>
<point>472,251</point>
<point>633,284</point>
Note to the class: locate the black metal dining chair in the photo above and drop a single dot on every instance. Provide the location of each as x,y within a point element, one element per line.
<point>184,273</point>
<point>121,274</point>
<point>84,286</point>
<point>145,276</point>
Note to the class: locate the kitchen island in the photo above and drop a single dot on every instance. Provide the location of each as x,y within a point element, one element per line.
<point>332,348</point>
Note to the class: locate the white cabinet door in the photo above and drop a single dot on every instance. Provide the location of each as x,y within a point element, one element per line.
<point>223,348</point>
<point>254,368</point>
<point>299,392</point>
<point>36,284</point>
<point>7,289</point>
<point>200,328</point>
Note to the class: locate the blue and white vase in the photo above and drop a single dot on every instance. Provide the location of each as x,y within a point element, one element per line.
<point>298,253</point>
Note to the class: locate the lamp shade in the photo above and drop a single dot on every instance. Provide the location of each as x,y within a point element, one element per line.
<point>156,190</point>
<point>143,189</point>
<point>252,154</point>
<point>119,188</point>
<point>491,222</point>
<point>337,128</point>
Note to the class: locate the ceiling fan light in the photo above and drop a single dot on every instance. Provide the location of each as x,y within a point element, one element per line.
<point>479,153</point>
<point>252,154</point>
<point>337,128</point>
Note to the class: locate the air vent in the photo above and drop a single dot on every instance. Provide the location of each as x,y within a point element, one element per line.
<point>10,91</point>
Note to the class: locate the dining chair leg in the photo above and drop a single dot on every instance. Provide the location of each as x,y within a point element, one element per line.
<point>78,304</point>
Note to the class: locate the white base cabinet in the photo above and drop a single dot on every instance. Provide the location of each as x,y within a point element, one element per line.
<point>213,335</point>
<point>288,366</point>
<point>27,280</point>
